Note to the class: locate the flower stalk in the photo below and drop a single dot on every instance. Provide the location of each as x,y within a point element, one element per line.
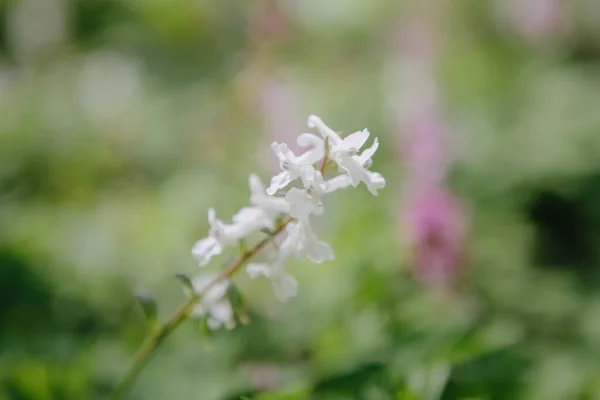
<point>152,343</point>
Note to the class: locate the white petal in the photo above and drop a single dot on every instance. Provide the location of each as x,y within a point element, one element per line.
<point>212,217</point>
<point>256,185</point>
<point>336,183</point>
<point>283,152</point>
<point>221,312</point>
<point>252,218</point>
<point>318,180</point>
<point>319,251</point>
<point>324,130</point>
<point>215,293</point>
<point>368,153</point>
<point>374,182</point>
<point>300,204</point>
<point>292,241</point>
<point>285,286</point>
<point>279,181</point>
<point>200,282</point>
<point>319,209</point>
<point>258,269</point>
<point>316,152</point>
<point>312,156</point>
<point>356,140</point>
<point>309,140</point>
<point>353,168</point>
<point>204,250</point>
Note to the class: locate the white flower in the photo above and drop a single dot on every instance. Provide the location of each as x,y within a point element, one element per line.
<point>374,182</point>
<point>304,201</point>
<point>365,157</point>
<point>302,240</point>
<point>290,165</point>
<point>345,155</point>
<point>316,250</point>
<point>220,235</point>
<point>316,151</point>
<point>250,219</point>
<point>344,152</point>
<point>285,285</point>
<point>324,130</point>
<point>213,304</point>
<point>259,198</point>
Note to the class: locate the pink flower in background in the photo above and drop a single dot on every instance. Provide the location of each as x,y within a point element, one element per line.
<point>434,221</point>
<point>268,24</point>
<point>424,148</point>
<point>280,119</point>
<point>437,234</point>
<point>538,21</point>
<point>267,21</point>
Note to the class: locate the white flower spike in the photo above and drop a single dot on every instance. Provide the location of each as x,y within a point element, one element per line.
<point>298,204</point>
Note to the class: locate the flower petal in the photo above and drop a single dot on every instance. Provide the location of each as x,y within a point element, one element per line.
<point>319,251</point>
<point>204,250</point>
<point>255,270</point>
<point>300,204</point>
<point>356,140</point>
<point>285,286</point>
<point>374,182</point>
<point>212,217</point>
<point>283,152</point>
<point>324,130</point>
<point>309,140</point>
<point>256,185</point>
<point>221,311</point>
<point>353,168</point>
<point>336,183</point>
<point>279,181</point>
<point>368,153</point>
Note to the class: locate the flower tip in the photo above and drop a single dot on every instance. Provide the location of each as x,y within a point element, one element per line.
<point>255,183</point>
<point>313,121</point>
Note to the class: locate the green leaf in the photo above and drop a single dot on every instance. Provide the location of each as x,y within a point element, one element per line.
<point>188,286</point>
<point>238,304</point>
<point>267,231</point>
<point>149,307</point>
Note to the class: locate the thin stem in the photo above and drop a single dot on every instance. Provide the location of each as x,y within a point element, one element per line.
<point>148,348</point>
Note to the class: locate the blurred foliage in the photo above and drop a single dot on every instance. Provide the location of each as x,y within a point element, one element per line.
<point>124,120</point>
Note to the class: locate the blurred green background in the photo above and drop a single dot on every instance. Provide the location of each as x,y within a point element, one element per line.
<point>122,121</point>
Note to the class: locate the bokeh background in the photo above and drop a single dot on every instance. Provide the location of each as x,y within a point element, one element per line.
<point>473,275</point>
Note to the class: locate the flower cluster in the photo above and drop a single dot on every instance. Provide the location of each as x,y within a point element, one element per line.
<point>296,193</point>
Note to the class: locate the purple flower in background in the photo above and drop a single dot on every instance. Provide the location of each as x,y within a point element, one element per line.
<point>437,233</point>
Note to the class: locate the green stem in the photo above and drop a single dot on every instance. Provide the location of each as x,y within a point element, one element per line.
<point>152,343</point>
